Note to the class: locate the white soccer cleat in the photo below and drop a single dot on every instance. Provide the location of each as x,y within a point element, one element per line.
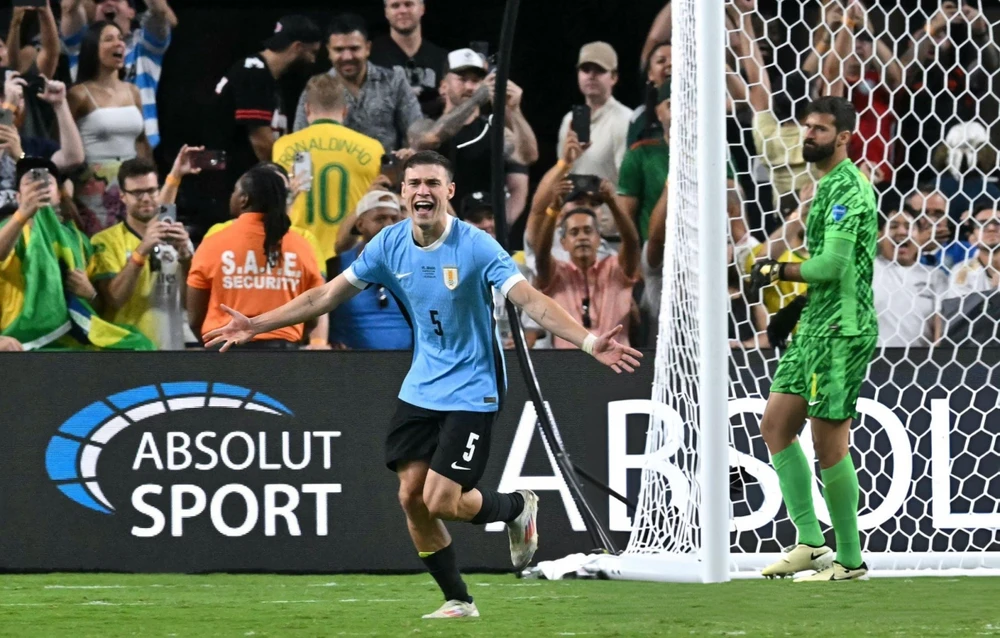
<point>455,609</point>
<point>799,559</point>
<point>836,571</point>
<point>523,532</point>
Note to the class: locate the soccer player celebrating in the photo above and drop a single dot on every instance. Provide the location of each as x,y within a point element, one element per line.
<point>820,374</point>
<point>442,272</point>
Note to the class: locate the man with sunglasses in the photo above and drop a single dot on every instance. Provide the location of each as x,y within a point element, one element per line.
<point>595,291</point>
<point>141,264</point>
<point>372,320</point>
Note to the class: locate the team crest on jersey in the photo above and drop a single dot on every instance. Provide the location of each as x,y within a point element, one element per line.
<point>450,277</point>
<point>839,211</point>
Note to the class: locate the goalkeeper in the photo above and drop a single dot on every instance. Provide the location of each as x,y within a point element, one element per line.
<point>820,374</point>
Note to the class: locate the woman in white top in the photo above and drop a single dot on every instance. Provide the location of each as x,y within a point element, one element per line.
<point>108,113</point>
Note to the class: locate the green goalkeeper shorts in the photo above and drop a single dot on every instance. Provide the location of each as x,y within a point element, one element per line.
<point>827,372</point>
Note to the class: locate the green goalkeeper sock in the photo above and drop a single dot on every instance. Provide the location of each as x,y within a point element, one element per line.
<point>795,481</point>
<point>841,494</point>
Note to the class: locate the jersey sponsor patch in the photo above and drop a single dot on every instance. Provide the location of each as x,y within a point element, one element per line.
<point>838,212</point>
<point>504,258</point>
<point>450,277</point>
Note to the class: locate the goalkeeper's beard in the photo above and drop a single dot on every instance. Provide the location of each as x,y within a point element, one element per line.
<point>815,153</point>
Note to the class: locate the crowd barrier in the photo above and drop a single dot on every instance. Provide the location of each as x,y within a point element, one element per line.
<point>181,462</point>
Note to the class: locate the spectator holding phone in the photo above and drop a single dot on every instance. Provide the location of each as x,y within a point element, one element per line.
<point>25,58</point>
<point>108,112</point>
<point>45,292</point>
<point>339,163</point>
<point>253,266</point>
<point>606,128</point>
<point>144,47</point>
<point>141,263</point>
<point>596,292</point>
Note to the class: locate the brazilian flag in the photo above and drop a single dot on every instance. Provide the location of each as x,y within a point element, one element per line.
<point>48,316</point>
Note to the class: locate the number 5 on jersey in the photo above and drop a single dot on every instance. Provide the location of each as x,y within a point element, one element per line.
<point>470,447</point>
<point>438,328</point>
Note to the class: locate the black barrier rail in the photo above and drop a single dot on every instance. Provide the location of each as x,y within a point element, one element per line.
<point>273,462</point>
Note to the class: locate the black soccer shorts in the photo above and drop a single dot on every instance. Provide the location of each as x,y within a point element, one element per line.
<point>457,444</point>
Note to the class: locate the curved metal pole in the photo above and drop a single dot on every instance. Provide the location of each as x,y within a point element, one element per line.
<point>550,431</point>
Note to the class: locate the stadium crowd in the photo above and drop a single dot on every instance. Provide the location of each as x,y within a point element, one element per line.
<point>95,253</point>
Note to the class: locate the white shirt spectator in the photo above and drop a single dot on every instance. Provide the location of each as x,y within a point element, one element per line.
<point>906,298</point>
<point>608,137</point>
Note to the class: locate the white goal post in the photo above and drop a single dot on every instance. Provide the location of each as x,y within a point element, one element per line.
<point>926,443</point>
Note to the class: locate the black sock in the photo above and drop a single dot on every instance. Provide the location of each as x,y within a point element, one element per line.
<point>499,507</point>
<point>443,567</point>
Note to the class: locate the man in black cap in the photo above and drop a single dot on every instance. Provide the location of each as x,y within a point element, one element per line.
<point>248,115</point>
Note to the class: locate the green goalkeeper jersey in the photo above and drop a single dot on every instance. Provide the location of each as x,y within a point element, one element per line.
<point>844,207</point>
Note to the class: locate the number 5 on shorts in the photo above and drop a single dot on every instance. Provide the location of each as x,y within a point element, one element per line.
<point>470,447</point>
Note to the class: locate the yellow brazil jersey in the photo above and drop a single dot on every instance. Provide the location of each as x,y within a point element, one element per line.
<point>112,249</point>
<point>308,236</point>
<point>344,164</point>
<point>782,293</point>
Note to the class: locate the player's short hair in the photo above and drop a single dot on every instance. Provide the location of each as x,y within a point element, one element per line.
<point>347,23</point>
<point>845,117</point>
<point>136,167</point>
<point>580,210</point>
<point>430,158</point>
<point>325,93</point>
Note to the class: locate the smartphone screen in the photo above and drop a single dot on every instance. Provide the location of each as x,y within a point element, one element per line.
<point>581,122</point>
<point>302,169</point>
<point>6,117</point>
<point>209,160</point>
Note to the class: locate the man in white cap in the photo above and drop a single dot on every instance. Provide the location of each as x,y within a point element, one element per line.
<point>462,134</point>
<point>597,74</point>
<point>372,320</point>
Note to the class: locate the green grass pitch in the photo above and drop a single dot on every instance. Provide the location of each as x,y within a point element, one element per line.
<point>172,606</point>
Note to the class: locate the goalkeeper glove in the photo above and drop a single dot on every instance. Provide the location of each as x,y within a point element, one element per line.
<point>784,321</point>
<point>763,274</point>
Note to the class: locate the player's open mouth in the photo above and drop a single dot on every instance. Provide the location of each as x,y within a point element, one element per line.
<point>110,16</point>
<point>423,206</point>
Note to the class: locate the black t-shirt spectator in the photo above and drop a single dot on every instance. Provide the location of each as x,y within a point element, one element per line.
<point>469,152</point>
<point>424,70</point>
<point>248,97</point>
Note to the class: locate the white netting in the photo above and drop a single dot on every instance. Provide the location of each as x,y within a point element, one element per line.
<point>656,527</point>
<point>927,445</point>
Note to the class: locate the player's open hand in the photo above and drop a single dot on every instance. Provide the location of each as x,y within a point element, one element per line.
<point>237,332</point>
<point>615,355</point>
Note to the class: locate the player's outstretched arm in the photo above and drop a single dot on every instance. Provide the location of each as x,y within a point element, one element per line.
<point>551,316</point>
<point>309,305</point>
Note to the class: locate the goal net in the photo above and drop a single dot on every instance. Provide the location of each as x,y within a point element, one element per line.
<point>927,443</point>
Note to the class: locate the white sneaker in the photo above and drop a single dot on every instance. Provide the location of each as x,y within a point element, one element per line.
<point>836,571</point>
<point>523,532</point>
<point>455,609</point>
<point>799,559</point>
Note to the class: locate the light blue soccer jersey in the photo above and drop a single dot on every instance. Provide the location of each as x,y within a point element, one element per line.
<point>446,290</point>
